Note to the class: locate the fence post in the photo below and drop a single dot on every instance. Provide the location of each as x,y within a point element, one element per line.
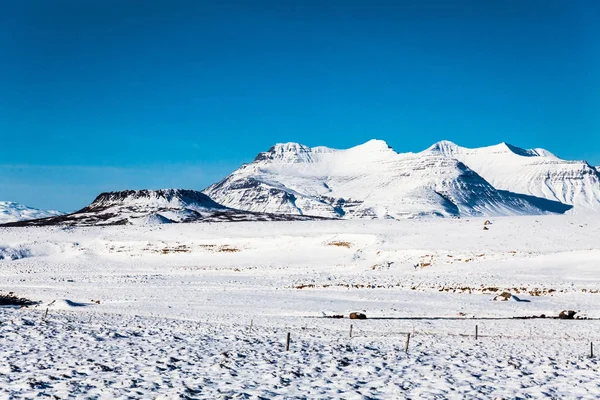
<point>591,350</point>
<point>287,344</point>
<point>251,321</point>
<point>476,332</point>
<point>350,330</point>
<point>407,341</point>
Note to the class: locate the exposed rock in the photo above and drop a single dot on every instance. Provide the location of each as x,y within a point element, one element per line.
<point>357,315</point>
<point>504,296</point>
<point>570,314</point>
<point>11,299</point>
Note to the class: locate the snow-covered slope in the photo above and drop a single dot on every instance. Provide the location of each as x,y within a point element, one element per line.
<point>149,207</point>
<point>370,180</point>
<point>535,172</point>
<point>12,212</point>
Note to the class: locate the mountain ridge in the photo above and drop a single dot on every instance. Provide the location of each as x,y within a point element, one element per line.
<point>11,212</point>
<point>144,207</point>
<point>368,180</point>
<point>535,172</point>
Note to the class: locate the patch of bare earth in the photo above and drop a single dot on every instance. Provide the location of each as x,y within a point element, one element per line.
<point>449,289</point>
<point>227,249</point>
<point>339,243</point>
<point>207,247</point>
<point>176,249</point>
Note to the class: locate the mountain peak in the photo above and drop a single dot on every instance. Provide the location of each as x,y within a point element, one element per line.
<point>444,147</point>
<point>286,152</point>
<point>292,152</point>
<point>516,150</point>
<point>375,144</point>
<point>450,149</point>
<point>509,148</point>
<point>289,147</point>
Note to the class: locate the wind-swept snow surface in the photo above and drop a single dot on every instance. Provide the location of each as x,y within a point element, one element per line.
<point>80,355</point>
<point>203,310</point>
<point>367,181</point>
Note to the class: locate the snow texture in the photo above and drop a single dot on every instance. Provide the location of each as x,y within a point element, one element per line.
<point>164,311</point>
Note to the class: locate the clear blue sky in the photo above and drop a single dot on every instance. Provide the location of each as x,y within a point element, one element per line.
<point>109,95</point>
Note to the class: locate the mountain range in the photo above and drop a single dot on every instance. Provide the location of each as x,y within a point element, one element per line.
<point>294,181</point>
<point>372,180</point>
<point>150,207</point>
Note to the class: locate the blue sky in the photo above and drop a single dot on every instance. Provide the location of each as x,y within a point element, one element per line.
<point>112,95</point>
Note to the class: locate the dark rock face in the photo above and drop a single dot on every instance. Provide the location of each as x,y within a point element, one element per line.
<point>11,299</point>
<point>164,197</point>
<point>570,314</point>
<point>188,196</point>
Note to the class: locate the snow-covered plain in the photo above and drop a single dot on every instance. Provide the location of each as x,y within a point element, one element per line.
<point>176,303</point>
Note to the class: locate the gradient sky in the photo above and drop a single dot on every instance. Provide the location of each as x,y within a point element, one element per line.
<point>112,95</point>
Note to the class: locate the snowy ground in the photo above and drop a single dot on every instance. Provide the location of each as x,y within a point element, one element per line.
<point>176,303</point>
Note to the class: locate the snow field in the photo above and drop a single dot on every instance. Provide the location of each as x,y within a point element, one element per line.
<point>164,311</point>
<point>111,356</point>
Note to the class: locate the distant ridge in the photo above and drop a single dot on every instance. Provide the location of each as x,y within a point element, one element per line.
<point>12,212</point>
<point>151,207</point>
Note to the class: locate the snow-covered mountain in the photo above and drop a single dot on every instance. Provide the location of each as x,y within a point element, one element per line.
<point>143,207</point>
<point>11,212</point>
<point>370,180</point>
<point>535,172</point>
<point>293,181</point>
